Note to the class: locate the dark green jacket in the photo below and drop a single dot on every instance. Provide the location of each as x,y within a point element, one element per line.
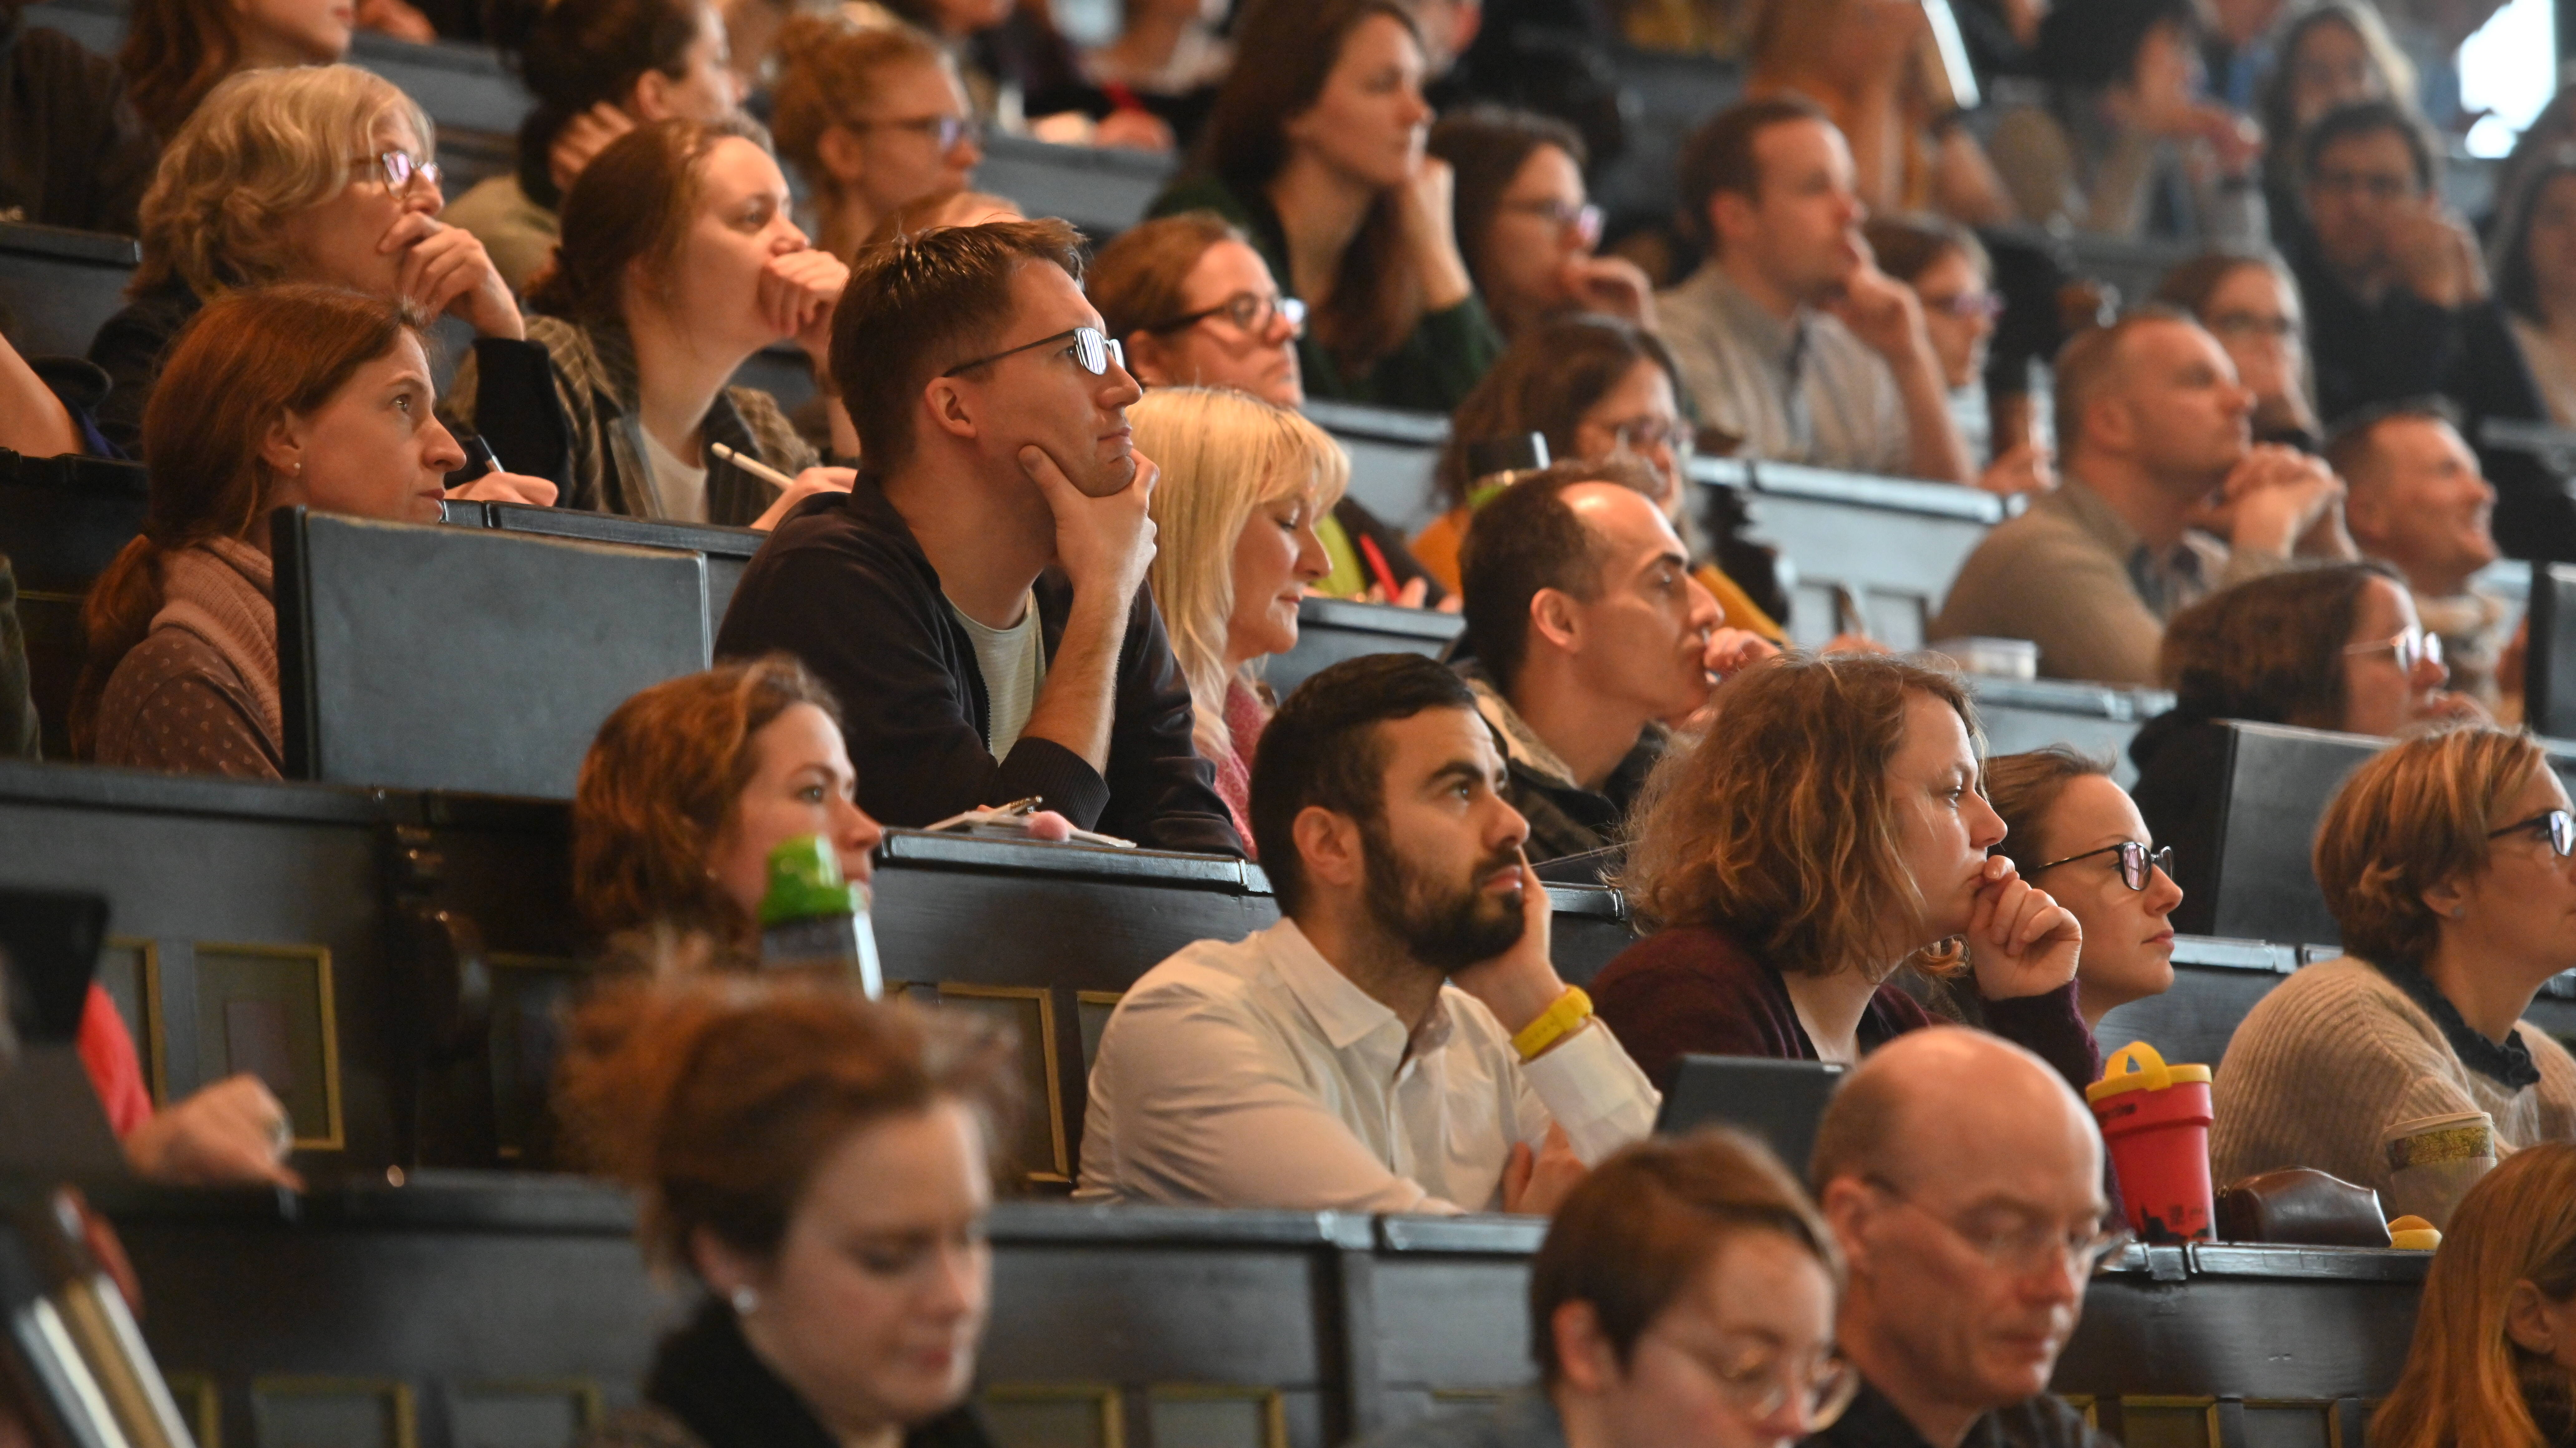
<point>1433,369</point>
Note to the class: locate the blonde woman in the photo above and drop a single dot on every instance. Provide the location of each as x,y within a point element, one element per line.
<point>1243,486</point>
<point>316,174</point>
<point>2494,1360</point>
<point>873,117</point>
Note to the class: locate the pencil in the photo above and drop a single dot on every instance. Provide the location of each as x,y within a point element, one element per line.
<point>751,465</point>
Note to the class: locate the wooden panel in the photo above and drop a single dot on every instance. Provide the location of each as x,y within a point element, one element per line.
<point>266,1011</point>
<point>1054,1415</point>
<point>523,1414</point>
<point>1216,1416</point>
<point>301,1412</point>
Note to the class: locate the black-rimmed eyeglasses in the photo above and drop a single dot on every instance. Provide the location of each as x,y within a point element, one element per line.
<point>2135,861</point>
<point>2556,826</point>
<point>1250,312</point>
<point>1091,350</point>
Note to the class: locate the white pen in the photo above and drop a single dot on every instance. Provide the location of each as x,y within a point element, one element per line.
<point>751,465</point>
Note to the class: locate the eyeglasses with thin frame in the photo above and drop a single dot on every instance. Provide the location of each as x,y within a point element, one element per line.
<point>1583,221</point>
<point>1637,436</point>
<point>2030,1248</point>
<point>2555,826</point>
<point>1250,312</point>
<point>398,170</point>
<point>2363,183</point>
<point>2412,647</point>
<point>2250,324</point>
<point>1757,1382</point>
<point>1090,349</point>
<point>1968,306</point>
<point>945,132</point>
<point>2135,861</point>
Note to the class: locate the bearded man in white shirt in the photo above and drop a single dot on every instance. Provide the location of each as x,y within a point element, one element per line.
<point>1400,1041</point>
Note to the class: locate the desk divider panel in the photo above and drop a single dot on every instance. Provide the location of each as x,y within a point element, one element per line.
<point>2549,692</point>
<point>494,1310</point>
<point>59,286</point>
<point>62,521</point>
<point>1330,630</point>
<point>445,658</point>
<point>1874,554</point>
<point>2098,719</point>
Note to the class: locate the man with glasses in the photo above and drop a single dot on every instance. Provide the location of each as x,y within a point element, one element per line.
<point>1963,1179</point>
<point>2419,502</point>
<point>1592,640</point>
<point>2392,279</point>
<point>977,602</point>
<point>1789,336</point>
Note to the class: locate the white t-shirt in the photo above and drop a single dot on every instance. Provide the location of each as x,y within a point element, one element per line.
<point>681,488</point>
<point>1013,662</point>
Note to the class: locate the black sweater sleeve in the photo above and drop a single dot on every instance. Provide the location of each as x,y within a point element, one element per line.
<point>129,348</point>
<point>516,409</point>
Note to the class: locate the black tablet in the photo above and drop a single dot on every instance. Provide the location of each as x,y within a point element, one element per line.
<point>1776,1102</point>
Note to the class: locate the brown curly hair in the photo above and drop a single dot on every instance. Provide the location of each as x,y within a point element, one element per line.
<point>716,1097</point>
<point>1777,827</point>
<point>2412,818</point>
<point>660,784</point>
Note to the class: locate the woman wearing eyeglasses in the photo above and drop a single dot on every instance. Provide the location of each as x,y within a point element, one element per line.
<point>1595,388</point>
<point>598,69</point>
<point>679,261</point>
<point>1526,226</point>
<point>2337,647</point>
<point>1315,149</point>
<point>317,174</point>
<point>1686,1293</point>
<point>1953,276</point>
<point>2078,836</point>
<point>873,117</point>
<point>1828,830</point>
<point>2251,305</point>
<point>2446,863</point>
<point>1196,306</point>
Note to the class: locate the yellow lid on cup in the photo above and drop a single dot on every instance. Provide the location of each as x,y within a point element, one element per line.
<point>2140,1067</point>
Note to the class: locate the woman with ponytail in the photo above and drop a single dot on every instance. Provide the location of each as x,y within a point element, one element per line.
<point>822,1165</point>
<point>287,395</point>
<point>2494,1360</point>
<point>679,261</point>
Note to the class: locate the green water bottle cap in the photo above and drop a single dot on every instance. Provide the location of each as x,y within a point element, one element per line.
<point>805,882</point>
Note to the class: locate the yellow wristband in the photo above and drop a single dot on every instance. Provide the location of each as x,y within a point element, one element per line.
<point>1554,1024</point>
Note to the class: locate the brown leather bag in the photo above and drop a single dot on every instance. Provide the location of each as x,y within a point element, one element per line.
<point>2299,1205</point>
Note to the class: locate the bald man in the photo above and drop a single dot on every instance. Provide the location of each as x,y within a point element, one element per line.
<point>2166,501</point>
<point>1591,637</point>
<point>1964,1181</point>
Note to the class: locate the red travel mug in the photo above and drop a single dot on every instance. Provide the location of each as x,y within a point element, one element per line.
<point>2155,1119</point>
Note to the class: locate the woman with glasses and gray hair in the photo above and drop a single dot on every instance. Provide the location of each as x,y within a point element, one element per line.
<point>314,174</point>
<point>2337,647</point>
<point>2446,863</point>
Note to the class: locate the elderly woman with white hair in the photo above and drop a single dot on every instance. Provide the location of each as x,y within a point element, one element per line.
<point>306,174</point>
<point>1243,485</point>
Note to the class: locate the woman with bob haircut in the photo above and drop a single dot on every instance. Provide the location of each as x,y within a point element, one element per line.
<point>1595,388</point>
<point>2063,812</point>
<point>1526,225</point>
<point>2334,647</point>
<point>1243,489</point>
<point>679,261</point>
<point>2494,1360</point>
<point>688,787</point>
<point>822,1166</point>
<point>274,398</point>
<point>2445,863</point>
<point>1827,830</point>
<point>598,69</point>
<point>1672,1251</point>
<point>319,174</point>
<point>1315,149</point>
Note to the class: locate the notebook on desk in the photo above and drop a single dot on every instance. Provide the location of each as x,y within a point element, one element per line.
<point>1776,1102</point>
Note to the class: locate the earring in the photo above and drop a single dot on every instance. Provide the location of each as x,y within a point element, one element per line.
<point>745,1301</point>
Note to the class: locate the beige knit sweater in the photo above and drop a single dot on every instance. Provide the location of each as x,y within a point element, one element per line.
<point>2336,1054</point>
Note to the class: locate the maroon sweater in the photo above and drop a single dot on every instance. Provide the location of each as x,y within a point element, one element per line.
<point>1693,990</point>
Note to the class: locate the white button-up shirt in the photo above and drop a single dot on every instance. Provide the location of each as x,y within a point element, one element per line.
<point>1254,1074</point>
